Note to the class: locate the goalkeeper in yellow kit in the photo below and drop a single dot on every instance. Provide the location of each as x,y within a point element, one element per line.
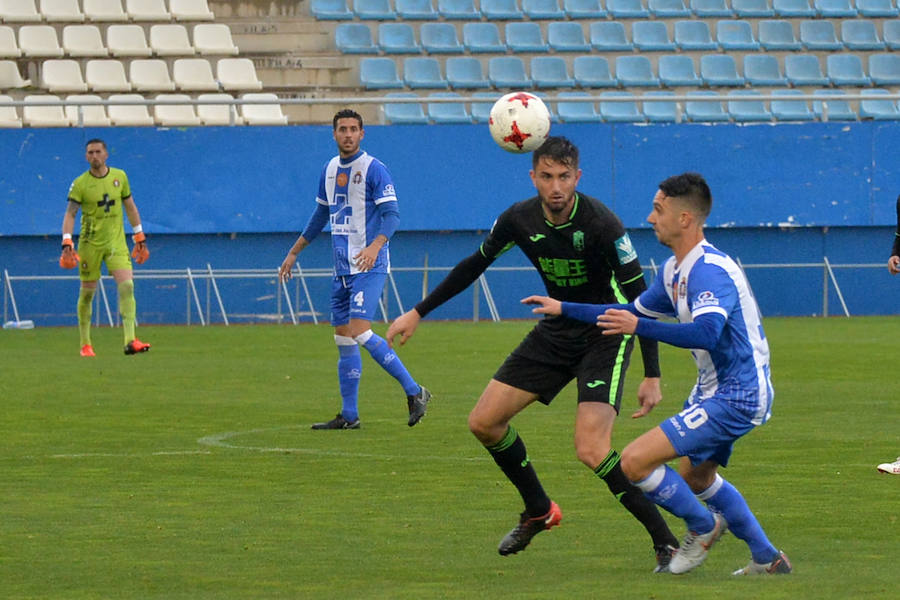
<point>102,193</point>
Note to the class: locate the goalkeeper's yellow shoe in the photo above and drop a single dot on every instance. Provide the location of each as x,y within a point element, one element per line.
<point>135,346</point>
<point>87,350</point>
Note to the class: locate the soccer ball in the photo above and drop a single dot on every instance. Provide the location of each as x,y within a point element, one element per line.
<point>520,122</point>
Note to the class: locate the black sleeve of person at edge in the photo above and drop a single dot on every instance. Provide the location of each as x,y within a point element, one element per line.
<point>895,251</point>
<point>649,347</point>
<point>461,277</point>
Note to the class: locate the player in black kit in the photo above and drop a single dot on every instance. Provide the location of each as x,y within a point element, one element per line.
<point>583,254</point>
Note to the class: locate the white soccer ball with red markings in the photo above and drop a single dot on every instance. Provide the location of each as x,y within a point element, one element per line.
<point>520,122</point>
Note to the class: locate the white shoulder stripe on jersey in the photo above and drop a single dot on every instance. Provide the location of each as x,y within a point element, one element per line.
<point>646,311</point>
<point>709,309</point>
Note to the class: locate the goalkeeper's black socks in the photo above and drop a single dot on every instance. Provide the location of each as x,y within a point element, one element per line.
<point>512,458</point>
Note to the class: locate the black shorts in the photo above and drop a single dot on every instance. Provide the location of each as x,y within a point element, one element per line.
<point>550,357</point>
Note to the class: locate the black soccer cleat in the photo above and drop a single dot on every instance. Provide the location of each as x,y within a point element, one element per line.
<point>136,346</point>
<point>520,536</point>
<point>664,556</point>
<point>417,405</point>
<point>339,422</point>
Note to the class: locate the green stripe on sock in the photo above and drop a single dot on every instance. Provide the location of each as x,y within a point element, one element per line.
<point>608,464</point>
<point>506,441</point>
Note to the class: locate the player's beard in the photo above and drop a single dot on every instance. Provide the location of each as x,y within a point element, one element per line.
<point>558,207</point>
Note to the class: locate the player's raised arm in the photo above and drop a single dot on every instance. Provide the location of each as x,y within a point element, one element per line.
<point>544,305</point>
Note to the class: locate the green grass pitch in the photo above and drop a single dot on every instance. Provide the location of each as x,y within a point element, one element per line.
<point>191,472</point>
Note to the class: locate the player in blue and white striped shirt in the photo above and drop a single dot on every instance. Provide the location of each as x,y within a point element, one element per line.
<point>718,319</point>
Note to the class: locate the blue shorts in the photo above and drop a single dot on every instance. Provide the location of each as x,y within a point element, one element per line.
<point>355,297</point>
<point>706,430</point>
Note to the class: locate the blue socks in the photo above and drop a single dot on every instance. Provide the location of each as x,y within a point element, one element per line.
<point>725,499</point>
<point>668,489</point>
<point>388,359</point>
<point>349,371</point>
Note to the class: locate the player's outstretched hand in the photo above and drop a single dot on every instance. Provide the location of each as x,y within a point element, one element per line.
<point>544,305</point>
<point>894,265</point>
<point>616,321</point>
<point>69,258</point>
<point>405,326</point>
<point>284,271</point>
<point>649,395</point>
<point>140,253</point>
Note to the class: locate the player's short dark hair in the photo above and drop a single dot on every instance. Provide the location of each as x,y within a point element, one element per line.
<point>347,113</point>
<point>558,149</point>
<point>96,141</point>
<point>690,187</point>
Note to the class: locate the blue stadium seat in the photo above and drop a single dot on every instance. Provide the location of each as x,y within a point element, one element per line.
<point>752,9</point>
<point>649,36</point>
<point>609,36</point>
<point>790,109</point>
<point>567,36</point>
<point>354,38</point>
<point>778,35</point>
<point>465,72</point>
<point>819,35</point>
<point>407,113</point>
<point>397,38</point>
<point>584,9</point>
<point>542,9</point>
<point>804,69</point>
<point>763,70</point>
<point>376,73</point>
<point>620,112</point>
<point>657,109</point>
<point>835,9</point>
<point>735,35</point>
<point>627,9</point>
<point>694,35</point>
<point>668,8</point>
<point>550,72</point>
<point>705,112</point>
<point>884,69</point>
<point>719,70</point>
<point>793,8</point>
<point>508,72</point>
<point>415,10</point>
<point>448,112</point>
<point>423,72</point>
<point>577,112</point>
<point>483,38</point>
<point>501,10</point>
<point>458,10</point>
<point>877,108</point>
<point>525,37</point>
<point>832,107</point>
<point>711,8</point>
<point>746,106</point>
<point>440,38</point>
<point>482,102</point>
<point>890,30</point>
<point>845,69</point>
<point>374,10</point>
<point>876,8</point>
<point>330,10</point>
<point>860,34</point>
<point>677,70</point>
<point>635,71</point>
<point>592,71</point>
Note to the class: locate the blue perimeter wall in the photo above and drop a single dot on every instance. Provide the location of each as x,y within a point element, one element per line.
<point>237,198</point>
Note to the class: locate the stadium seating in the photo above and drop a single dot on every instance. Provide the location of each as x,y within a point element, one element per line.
<point>147,10</point>
<point>694,35</point>
<point>175,115</point>
<point>501,10</point>
<point>415,10</point>
<point>86,115</point>
<point>190,10</point>
<point>508,72</point>
<point>668,8</point>
<point>448,112</point>
<point>482,102</point>
<point>678,70</point>
<point>374,10</point>
<point>39,41</point>
<point>592,71</point>
<point>218,114</point>
<point>550,72</point>
<point>651,36</point>
<point>237,74</point>
<point>719,70</point>
<point>567,36</point>
<point>804,69</point>
<point>330,10</point>
<point>787,109</point>
<point>404,113</point>
<point>657,109</point>
<point>36,114</point>
<point>542,9</point>
<point>860,34</point>
<point>423,72</point>
<point>9,47</point>
<point>609,36</point>
<point>884,69</point>
<point>194,75</point>
<point>83,41</point>
<point>150,75</point>
<point>877,108</point>
<point>582,111</point>
<point>170,40</point>
<point>354,38</point>
<point>106,75</point>
<point>19,11</point>
<point>127,41</point>
<point>397,38</point>
<point>876,8</point>
<point>832,107</point>
<point>458,10</point>
<point>62,75</point>
<point>376,73</point>
<point>890,30</point>
<point>9,118</point>
<point>620,112</point>
<point>745,106</point>
<point>262,114</point>
<point>584,9</point>
<point>845,70</point>
<point>10,77</point>
<point>627,9</point>
<point>213,39</point>
<point>793,8</point>
<point>735,35</point>
<point>635,71</point>
<point>778,35</point>
<point>752,9</point>
<point>128,115</point>
<point>525,37</point>
<point>440,38</point>
<point>482,38</point>
<point>819,35</point>
<point>63,11</point>
<point>763,70</point>
<point>465,72</point>
<point>832,9</point>
<point>104,10</point>
<point>710,8</point>
<point>704,112</point>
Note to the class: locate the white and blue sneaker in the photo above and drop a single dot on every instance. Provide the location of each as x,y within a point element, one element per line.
<point>695,547</point>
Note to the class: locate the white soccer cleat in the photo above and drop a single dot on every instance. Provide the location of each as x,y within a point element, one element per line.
<point>695,547</point>
<point>891,468</point>
<point>779,566</point>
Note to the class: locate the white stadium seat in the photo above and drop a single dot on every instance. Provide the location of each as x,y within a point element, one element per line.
<point>190,10</point>
<point>65,11</point>
<point>218,114</point>
<point>19,11</point>
<point>262,114</point>
<point>39,41</point>
<point>237,74</point>
<point>104,10</point>
<point>127,40</point>
<point>214,38</point>
<point>175,115</point>
<point>150,75</point>
<point>147,10</point>
<point>91,116</point>
<point>9,118</point>
<point>129,115</point>
<point>9,47</point>
<point>83,40</point>
<point>62,75</point>
<point>106,75</point>
<point>43,116</point>
<point>170,40</point>
<point>10,77</point>
<point>194,75</point>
